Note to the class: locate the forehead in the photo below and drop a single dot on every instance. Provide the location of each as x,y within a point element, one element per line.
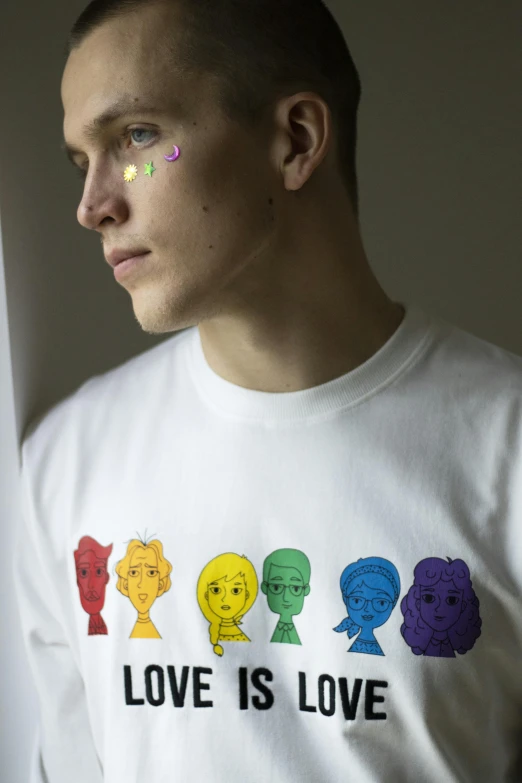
<point>285,572</point>
<point>239,578</point>
<point>90,556</point>
<point>145,553</point>
<point>126,59</point>
<point>128,50</point>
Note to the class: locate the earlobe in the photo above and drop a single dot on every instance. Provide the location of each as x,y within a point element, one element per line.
<point>264,587</point>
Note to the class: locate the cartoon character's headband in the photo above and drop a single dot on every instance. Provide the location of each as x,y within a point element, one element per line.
<point>376,569</point>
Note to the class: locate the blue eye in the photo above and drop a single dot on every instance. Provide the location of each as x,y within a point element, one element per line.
<point>137,130</point>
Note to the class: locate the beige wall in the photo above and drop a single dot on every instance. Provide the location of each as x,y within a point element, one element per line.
<point>439,165</point>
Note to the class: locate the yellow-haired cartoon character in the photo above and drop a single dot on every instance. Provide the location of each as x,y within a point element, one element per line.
<point>143,576</point>
<point>227,589</point>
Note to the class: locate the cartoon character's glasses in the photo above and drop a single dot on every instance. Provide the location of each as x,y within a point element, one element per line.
<point>276,588</point>
<point>358,602</point>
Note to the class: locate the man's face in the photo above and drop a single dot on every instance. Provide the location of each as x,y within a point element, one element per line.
<point>205,217</point>
<point>285,590</point>
<point>92,578</point>
<point>143,580</point>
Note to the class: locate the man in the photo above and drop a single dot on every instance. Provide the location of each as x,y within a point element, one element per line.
<point>301,409</point>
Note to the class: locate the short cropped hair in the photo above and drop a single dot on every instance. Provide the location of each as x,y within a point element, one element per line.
<point>258,51</point>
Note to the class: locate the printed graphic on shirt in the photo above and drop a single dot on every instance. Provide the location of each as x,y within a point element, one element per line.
<point>92,577</point>
<point>441,610</point>
<point>286,582</point>
<point>143,576</point>
<point>227,588</point>
<point>370,589</point>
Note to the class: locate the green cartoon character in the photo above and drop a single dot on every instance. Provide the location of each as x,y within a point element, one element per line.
<point>286,577</point>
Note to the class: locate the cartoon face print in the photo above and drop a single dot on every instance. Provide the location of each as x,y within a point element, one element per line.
<point>227,598</point>
<point>285,590</point>
<point>369,606</point>
<point>143,579</point>
<point>92,576</point>
<point>286,578</point>
<point>144,575</point>
<point>370,588</point>
<point>441,605</point>
<point>226,590</point>
<point>441,610</point>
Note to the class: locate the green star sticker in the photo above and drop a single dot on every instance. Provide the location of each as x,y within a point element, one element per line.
<point>149,168</point>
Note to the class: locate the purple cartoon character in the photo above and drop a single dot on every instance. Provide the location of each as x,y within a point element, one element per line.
<point>441,610</point>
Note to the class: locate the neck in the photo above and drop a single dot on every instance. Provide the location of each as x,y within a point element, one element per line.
<point>303,359</point>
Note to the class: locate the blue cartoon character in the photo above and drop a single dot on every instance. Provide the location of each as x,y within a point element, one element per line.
<point>370,589</point>
<point>441,610</point>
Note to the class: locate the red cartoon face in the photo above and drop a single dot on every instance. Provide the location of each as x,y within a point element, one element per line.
<point>92,577</point>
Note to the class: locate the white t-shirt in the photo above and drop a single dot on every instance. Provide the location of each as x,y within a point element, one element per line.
<point>220,585</point>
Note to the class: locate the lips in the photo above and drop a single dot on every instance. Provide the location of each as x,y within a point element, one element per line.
<point>116,256</point>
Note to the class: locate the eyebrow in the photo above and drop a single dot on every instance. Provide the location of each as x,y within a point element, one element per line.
<point>94,129</point>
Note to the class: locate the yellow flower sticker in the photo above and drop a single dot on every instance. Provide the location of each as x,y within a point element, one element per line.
<point>130,173</point>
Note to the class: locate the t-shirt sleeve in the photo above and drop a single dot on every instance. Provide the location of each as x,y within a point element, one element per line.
<point>64,749</point>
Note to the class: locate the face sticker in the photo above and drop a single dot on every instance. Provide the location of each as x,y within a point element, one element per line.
<point>130,173</point>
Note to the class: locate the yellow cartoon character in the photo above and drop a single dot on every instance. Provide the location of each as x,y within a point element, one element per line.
<point>143,576</point>
<point>227,589</point>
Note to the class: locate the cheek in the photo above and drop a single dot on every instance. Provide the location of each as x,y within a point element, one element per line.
<point>426,609</point>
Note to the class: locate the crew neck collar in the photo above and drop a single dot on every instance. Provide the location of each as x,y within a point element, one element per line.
<point>409,340</point>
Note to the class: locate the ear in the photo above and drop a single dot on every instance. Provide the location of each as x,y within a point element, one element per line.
<point>126,587</point>
<point>264,587</point>
<point>307,589</point>
<point>247,594</point>
<point>206,596</point>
